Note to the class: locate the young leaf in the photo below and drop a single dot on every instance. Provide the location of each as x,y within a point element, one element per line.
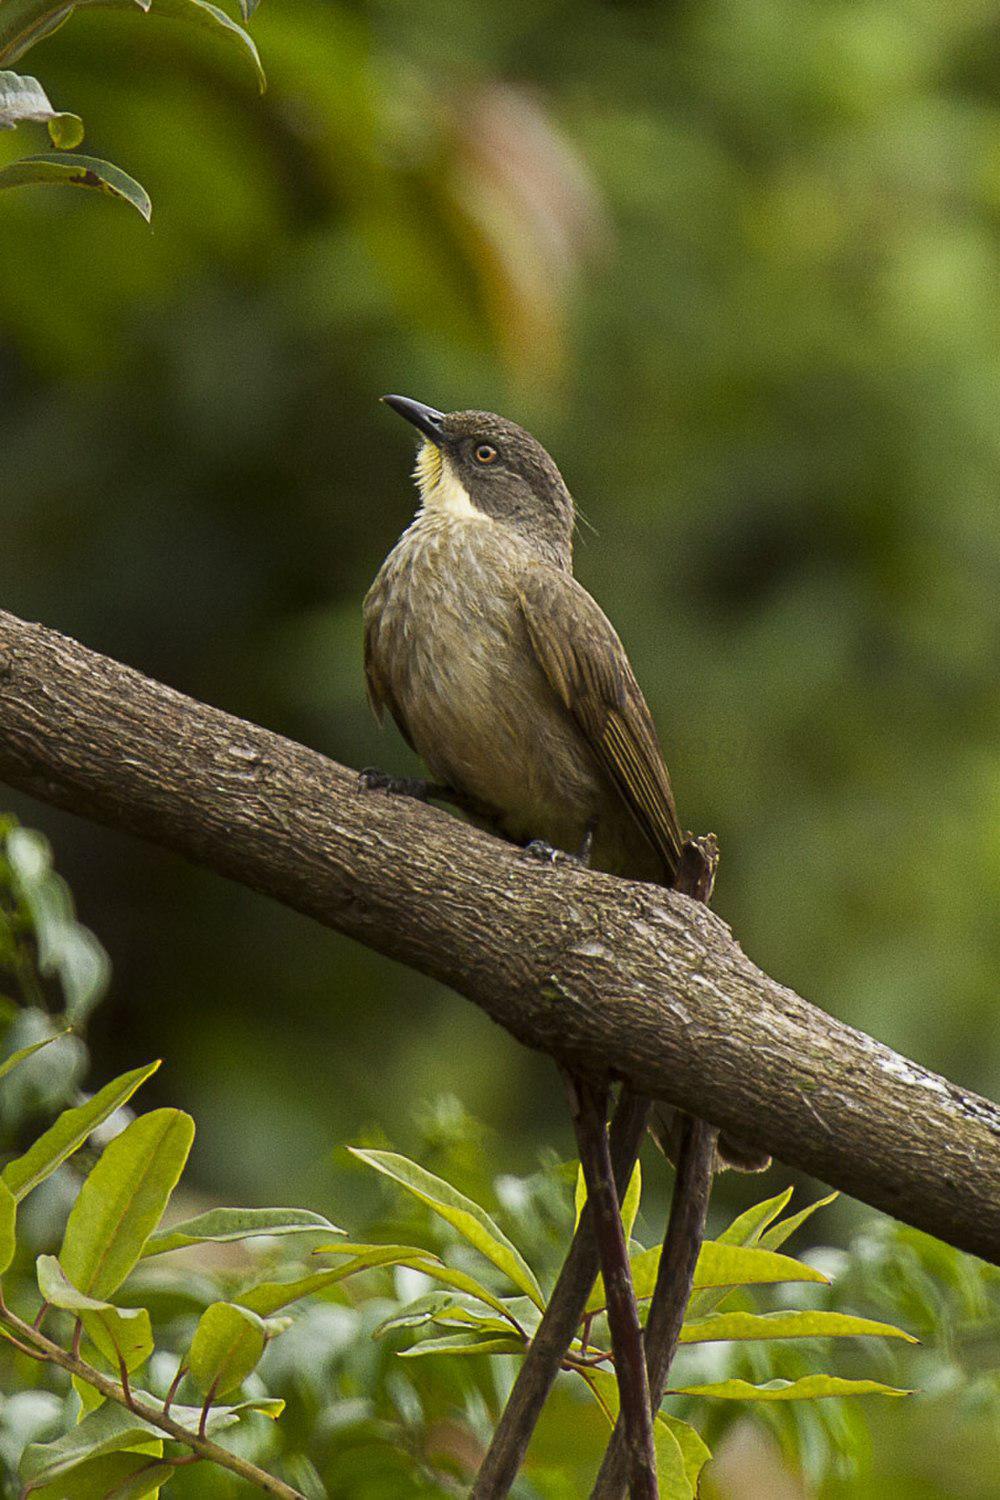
<point>8,1226</point>
<point>786,1325</point>
<point>70,1131</point>
<point>122,1334</point>
<point>11,1062</point>
<point>718,1265</point>
<point>48,170</point>
<point>270,1296</point>
<point>748,1226</point>
<point>808,1388</point>
<point>678,1466</point>
<point>471,1221</point>
<point>630,1204</point>
<point>779,1233</point>
<point>116,1476</point>
<point>123,1199</point>
<point>228,1343</point>
<point>220,1225</point>
<point>111,1429</point>
<point>205,16</point>
<point>465,1343</point>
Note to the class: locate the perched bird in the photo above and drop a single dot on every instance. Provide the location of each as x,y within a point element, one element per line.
<point>500,669</point>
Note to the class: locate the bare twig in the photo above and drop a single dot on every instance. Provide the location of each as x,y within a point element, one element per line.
<point>561,1318</point>
<point>681,1245</point>
<point>589,1119</point>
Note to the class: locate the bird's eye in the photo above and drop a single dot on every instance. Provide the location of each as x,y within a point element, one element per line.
<point>485,454</point>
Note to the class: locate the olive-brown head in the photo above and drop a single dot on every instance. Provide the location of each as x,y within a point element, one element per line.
<point>476,465</point>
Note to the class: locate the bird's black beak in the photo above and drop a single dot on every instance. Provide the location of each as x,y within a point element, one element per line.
<point>424,418</point>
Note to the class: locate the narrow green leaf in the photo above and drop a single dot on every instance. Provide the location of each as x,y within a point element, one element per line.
<point>8,1226</point>
<point>465,1343</point>
<point>122,1334</point>
<point>786,1325</point>
<point>123,1199</point>
<point>228,1343</point>
<point>25,22</point>
<point>206,17</point>
<point>49,170</point>
<point>220,1225</point>
<point>779,1233</point>
<point>70,1131</point>
<point>695,1452</point>
<point>11,1062</point>
<point>675,1463</point>
<point>630,1205</point>
<point>116,1476</point>
<point>471,1221</point>
<point>718,1265</point>
<point>428,1265</point>
<point>808,1388</point>
<point>270,1296</point>
<point>748,1226</point>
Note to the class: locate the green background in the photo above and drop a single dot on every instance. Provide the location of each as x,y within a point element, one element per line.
<point>737,267</point>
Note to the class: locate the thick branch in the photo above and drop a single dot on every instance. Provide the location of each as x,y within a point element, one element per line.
<point>601,973</point>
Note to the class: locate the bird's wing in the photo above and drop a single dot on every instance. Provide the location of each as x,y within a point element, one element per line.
<point>380,694</point>
<point>586,664</point>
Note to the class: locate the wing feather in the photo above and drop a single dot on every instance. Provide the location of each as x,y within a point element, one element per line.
<point>585,662</point>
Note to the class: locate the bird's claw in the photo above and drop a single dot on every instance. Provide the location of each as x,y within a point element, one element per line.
<point>373,780</point>
<point>547,854</point>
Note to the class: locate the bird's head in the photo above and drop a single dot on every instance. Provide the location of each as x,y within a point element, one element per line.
<point>477,465</point>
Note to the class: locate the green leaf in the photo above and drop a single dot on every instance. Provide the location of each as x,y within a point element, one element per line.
<point>748,1226</point>
<point>122,1334</point>
<point>630,1205</point>
<point>247,8</point>
<point>23,99</point>
<point>786,1325</point>
<point>70,1131</point>
<point>203,15</point>
<point>112,1428</point>
<point>123,1199</point>
<point>718,1265</point>
<point>116,1476</point>
<point>269,1296</point>
<point>77,171</point>
<point>465,1343</point>
<point>808,1388</point>
<point>695,1453</point>
<point>228,1343</point>
<point>11,1062</point>
<point>781,1232</point>
<point>8,1226</point>
<point>471,1221</point>
<point>66,949</point>
<point>25,22</point>
<point>675,1463</point>
<point>221,1225</point>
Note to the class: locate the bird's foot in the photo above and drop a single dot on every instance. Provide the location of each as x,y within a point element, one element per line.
<point>373,780</point>
<point>549,855</point>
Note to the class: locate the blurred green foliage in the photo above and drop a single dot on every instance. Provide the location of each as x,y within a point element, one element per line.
<point>737,267</point>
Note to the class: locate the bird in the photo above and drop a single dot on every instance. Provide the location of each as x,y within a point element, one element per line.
<point>504,674</point>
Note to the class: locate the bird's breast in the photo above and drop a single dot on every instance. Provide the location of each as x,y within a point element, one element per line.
<point>447,636</point>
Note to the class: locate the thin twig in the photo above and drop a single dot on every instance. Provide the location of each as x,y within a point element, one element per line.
<point>674,1277</point>
<point>203,1447</point>
<point>589,1118</point>
<point>563,1312</point>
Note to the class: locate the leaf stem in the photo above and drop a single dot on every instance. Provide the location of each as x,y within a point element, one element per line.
<point>201,1446</point>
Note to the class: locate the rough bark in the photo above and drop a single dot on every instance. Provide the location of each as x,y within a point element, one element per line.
<point>604,975</point>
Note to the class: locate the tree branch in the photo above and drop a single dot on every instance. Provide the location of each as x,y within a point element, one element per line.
<point>606,975</point>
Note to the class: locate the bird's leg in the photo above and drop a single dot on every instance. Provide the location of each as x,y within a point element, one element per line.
<point>589,1106</point>
<point>550,855</point>
<point>371,779</point>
